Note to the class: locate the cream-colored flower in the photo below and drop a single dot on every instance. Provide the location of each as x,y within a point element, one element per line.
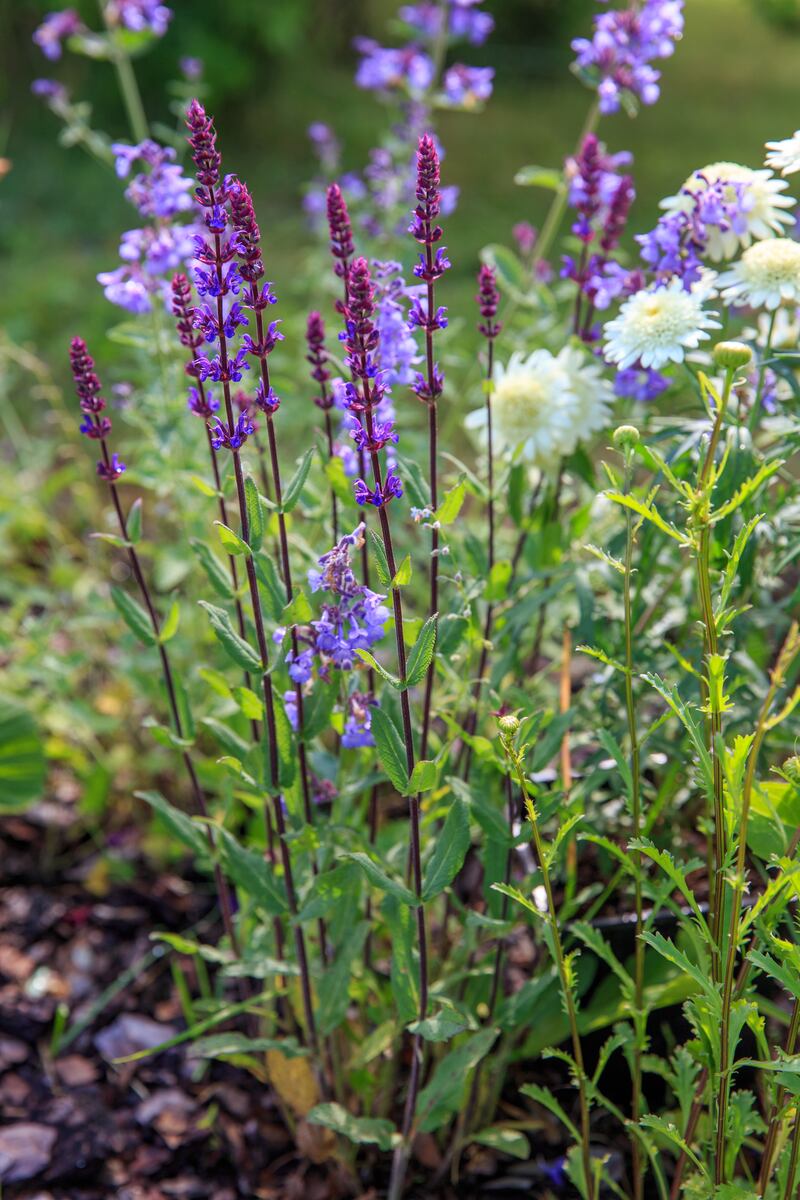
<point>764,211</point>
<point>784,156</point>
<point>543,405</point>
<point>658,325</point>
<point>766,276</point>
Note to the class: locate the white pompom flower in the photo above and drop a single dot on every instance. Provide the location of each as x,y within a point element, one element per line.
<point>766,276</point>
<point>543,405</point>
<point>784,156</point>
<point>658,325</point>
<point>763,209</point>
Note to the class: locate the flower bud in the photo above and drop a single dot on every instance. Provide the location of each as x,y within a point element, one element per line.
<point>509,724</point>
<point>791,769</point>
<point>732,355</point>
<point>625,437</point>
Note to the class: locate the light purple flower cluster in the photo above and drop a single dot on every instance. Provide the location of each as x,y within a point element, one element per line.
<point>677,244</point>
<point>95,424</point>
<point>201,400</point>
<point>465,21</point>
<point>139,15</point>
<point>640,383</point>
<point>354,620</point>
<point>617,59</point>
<point>424,228</point>
<point>55,29</point>
<point>161,192</point>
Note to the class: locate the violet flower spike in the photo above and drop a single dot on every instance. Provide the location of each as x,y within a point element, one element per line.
<point>317,356</point>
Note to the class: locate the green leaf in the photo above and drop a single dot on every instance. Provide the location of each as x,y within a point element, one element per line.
<point>133,615</point>
<point>231,541</point>
<point>498,581</point>
<point>228,739</point>
<point>361,1130</point>
<point>506,1141</point>
<point>381,561</point>
<point>450,851</point>
<point>187,831</point>
<point>422,652</point>
<point>340,484</point>
<point>134,521</point>
<point>218,1045</point>
<point>442,1027</point>
<point>450,507</point>
<point>113,539</point>
<point>284,734</point>
<point>746,490</point>
<point>318,708</point>
<point>218,577</point>
<point>649,512</point>
<point>390,749</point>
<point>296,483</point>
<point>203,486</point>
<point>171,622</point>
<point>250,704</point>
<point>379,879</point>
<point>547,1100</point>
<point>22,762</point>
<point>236,647</point>
<point>299,612</point>
<point>544,177</point>
<point>275,592</point>
<point>423,777</point>
<point>334,995</point>
<point>444,1095</point>
<point>404,573</point>
<point>250,872</point>
<point>372,661</point>
<point>255,515</point>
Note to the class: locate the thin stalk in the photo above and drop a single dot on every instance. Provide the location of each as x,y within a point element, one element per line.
<point>639,1017</point>
<point>795,1152</point>
<point>334,501</point>
<point>776,1109</point>
<point>266,680</point>
<point>762,371</point>
<point>558,205</point>
<point>739,884</point>
<point>169,682</point>
<point>515,758</point>
<point>128,87</point>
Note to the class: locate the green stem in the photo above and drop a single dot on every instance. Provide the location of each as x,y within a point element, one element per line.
<point>762,371</point>
<point>639,1017</point>
<point>515,759</point>
<point>559,203</point>
<point>131,97</point>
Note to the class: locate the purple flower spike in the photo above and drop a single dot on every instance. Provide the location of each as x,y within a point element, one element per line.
<point>488,300</point>
<point>616,60</point>
<point>341,231</point>
<point>203,144</point>
<point>379,496</point>
<point>94,426</point>
<point>54,29</point>
<point>318,357</point>
<point>428,193</point>
<point>220,436</point>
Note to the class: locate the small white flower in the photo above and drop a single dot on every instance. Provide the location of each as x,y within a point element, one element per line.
<point>658,326</point>
<point>785,156</point>
<point>543,405</point>
<point>766,276</point>
<point>763,212</point>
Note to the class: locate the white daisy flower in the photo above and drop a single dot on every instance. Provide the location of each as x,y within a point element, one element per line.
<point>764,212</point>
<point>657,326</point>
<point>784,156</point>
<point>543,405</point>
<point>766,276</point>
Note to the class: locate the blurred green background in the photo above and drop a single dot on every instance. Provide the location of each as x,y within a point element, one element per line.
<point>275,65</point>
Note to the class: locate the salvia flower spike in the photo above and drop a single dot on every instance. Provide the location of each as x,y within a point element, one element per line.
<point>318,358</point>
<point>97,426</point>
<point>220,276</point>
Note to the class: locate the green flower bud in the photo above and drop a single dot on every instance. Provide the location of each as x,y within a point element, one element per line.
<point>732,355</point>
<point>625,437</point>
<point>509,724</point>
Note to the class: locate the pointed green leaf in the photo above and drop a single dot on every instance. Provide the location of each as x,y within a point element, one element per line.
<point>444,1095</point>
<point>133,615</point>
<point>372,661</point>
<point>381,562</point>
<point>422,652</point>
<point>250,872</point>
<point>404,573</point>
<point>390,749</point>
<point>296,483</point>
<point>22,761</point>
<point>450,851</point>
<point>236,647</point>
<point>218,576</point>
<point>231,541</point>
<point>134,522</point>
<point>255,515</point>
<point>179,823</point>
<point>171,622</point>
<point>379,879</point>
<point>450,507</point>
<point>423,777</point>
<point>334,987</point>
<point>360,1130</point>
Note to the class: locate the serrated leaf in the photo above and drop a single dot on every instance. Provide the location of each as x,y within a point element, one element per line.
<point>649,512</point>
<point>390,749</point>
<point>231,542</point>
<point>372,661</point>
<point>450,507</point>
<point>275,591</point>
<point>381,562</point>
<point>134,521</point>
<point>284,736</point>
<point>251,872</point>
<point>422,652</point>
<point>423,777</point>
<point>133,615</point>
<point>450,851</point>
<point>218,576</point>
<point>250,704</point>
<point>404,573</point>
<point>255,515</point>
<point>746,490</point>
<point>360,1130</point>
<point>378,877</point>
<point>187,831</point>
<point>171,622</point>
<point>547,1100</point>
<point>236,647</point>
<point>297,482</point>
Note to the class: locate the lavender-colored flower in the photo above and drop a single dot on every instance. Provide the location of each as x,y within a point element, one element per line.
<point>466,87</point>
<point>357,726</point>
<point>640,383</point>
<point>379,495</point>
<point>164,190</point>
<point>139,15</point>
<point>387,69</point>
<point>465,22</point>
<point>617,59</point>
<point>221,436</point>
<point>428,193</point>
<point>398,350</point>
<point>56,28</point>
<point>191,68</point>
<point>679,241</point>
<point>326,146</point>
<point>203,145</point>
<point>95,425</point>
<point>488,301</point>
<point>51,90</point>
<point>128,288</point>
<point>266,399</point>
<point>201,400</point>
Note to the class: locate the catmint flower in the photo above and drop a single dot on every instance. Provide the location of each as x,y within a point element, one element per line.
<point>384,69</point>
<point>127,287</point>
<point>466,87</point>
<point>617,59</point>
<point>56,28</point>
<point>488,300</point>
<point>139,15</point>
<point>341,231</point>
<point>163,191</point>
